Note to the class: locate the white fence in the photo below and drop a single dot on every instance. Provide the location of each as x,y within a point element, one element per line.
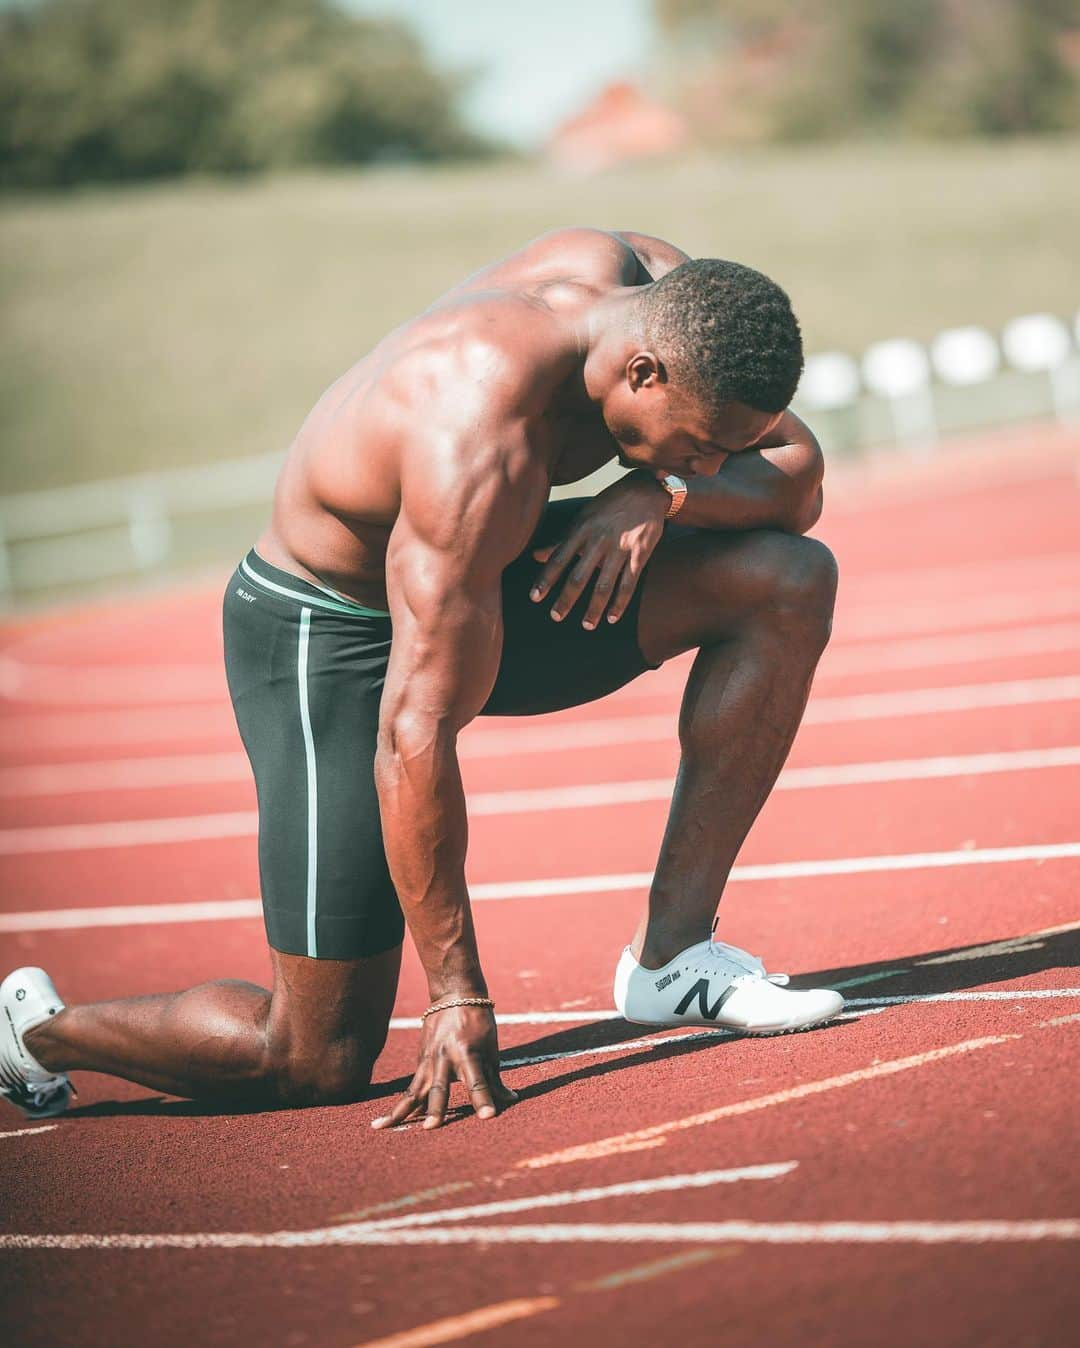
<point>121,526</point>
<point>898,390</point>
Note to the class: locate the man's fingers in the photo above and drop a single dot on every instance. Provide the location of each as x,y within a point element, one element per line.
<point>574,583</point>
<point>559,558</point>
<point>438,1097</point>
<point>605,583</point>
<point>624,591</point>
<point>408,1104</point>
<point>472,1075</point>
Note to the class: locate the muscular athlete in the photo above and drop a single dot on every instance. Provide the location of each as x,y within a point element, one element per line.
<point>413,576</point>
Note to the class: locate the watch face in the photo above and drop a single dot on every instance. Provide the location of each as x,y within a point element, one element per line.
<point>674,483</point>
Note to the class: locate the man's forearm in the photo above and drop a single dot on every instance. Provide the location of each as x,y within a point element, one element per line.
<point>746,495</point>
<point>721,503</point>
<point>425,831</point>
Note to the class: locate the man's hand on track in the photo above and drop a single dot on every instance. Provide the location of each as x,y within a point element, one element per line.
<point>458,1044</point>
<point>614,536</point>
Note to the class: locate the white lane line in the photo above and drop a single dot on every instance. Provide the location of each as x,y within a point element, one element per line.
<point>783,870</point>
<point>129,774</point>
<point>629,1189</point>
<point>164,725</point>
<point>870,622</point>
<point>869,1003</point>
<point>865,645</point>
<point>351,1233</point>
<point>124,774</point>
<point>758,1233</point>
<point>988,995</point>
<point>123,915</point>
<point>619,1233</point>
<point>1013,945</point>
<point>131,915</point>
<point>568,735</point>
<point>128,833</point>
<point>178,724</point>
<point>792,779</point>
<point>971,647</point>
<point>77,684</point>
<point>644,1138</point>
<point>455,1328</point>
<point>29,1132</point>
<point>53,837</point>
<point>1047,569</point>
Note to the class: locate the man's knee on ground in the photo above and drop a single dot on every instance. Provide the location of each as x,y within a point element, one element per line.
<point>336,1074</point>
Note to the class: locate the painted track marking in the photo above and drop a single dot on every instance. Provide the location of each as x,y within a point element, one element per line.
<point>966,648</point>
<point>757,1233</point>
<point>658,1133</point>
<point>694,1233</point>
<point>29,1132</point>
<point>352,1233</point>
<point>133,832</point>
<point>629,1189</point>
<point>178,724</point>
<point>77,685</point>
<point>453,1328</point>
<point>129,774</point>
<point>123,915</point>
<point>856,707</point>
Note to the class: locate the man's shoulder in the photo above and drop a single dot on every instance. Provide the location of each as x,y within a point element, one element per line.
<point>612,256</point>
<point>491,347</point>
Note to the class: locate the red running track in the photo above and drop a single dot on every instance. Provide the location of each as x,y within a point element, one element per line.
<point>904,1175</point>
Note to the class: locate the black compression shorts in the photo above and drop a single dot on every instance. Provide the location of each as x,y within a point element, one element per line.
<point>306,669</point>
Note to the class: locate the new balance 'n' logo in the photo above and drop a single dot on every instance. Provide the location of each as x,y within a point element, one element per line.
<point>700,993</point>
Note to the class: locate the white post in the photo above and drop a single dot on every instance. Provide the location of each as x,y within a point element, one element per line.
<point>149,528</point>
<point>1040,343</point>
<point>899,371</point>
<point>7,580</point>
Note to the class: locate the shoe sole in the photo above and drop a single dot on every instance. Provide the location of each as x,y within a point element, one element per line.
<point>735,1029</point>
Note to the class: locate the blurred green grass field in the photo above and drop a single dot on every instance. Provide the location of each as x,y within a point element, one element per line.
<point>175,324</point>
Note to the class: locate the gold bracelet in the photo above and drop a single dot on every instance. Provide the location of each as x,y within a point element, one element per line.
<point>458,1001</point>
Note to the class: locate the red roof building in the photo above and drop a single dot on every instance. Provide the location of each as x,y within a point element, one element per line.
<point>620,124</point>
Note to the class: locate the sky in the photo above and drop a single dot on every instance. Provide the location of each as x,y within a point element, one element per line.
<point>539,62</point>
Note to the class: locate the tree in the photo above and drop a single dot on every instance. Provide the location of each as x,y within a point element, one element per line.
<point>812,68</point>
<point>106,90</point>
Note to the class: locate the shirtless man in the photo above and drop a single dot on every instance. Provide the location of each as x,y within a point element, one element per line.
<point>415,501</point>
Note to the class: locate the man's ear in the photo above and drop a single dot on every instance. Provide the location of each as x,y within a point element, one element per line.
<point>644,370</point>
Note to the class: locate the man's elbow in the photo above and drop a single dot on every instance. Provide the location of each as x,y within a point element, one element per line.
<point>809,514</point>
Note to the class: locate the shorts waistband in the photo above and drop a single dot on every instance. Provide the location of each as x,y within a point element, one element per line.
<point>272,580</point>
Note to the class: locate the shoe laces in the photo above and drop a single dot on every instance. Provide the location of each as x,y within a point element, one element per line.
<point>732,953</point>
<point>43,1093</point>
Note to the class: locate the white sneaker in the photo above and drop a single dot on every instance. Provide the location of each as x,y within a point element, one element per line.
<point>720,986</point>
<point>27,997</point>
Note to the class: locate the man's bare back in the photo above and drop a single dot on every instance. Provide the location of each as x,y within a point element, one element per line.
<point>502,349</point>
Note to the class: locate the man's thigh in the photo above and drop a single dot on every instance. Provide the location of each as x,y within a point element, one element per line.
<point>306,677</point>
<point>548,665</point>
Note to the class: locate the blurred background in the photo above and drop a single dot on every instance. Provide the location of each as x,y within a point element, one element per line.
<point>210,208</point>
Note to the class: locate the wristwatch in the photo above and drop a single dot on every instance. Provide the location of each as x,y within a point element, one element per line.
<point>676,489</point>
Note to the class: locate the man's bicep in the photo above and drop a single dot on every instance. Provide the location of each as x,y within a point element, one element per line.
<point>447,625</point>
<point>460,525</point>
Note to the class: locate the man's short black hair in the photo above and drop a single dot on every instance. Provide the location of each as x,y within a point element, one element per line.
<point>727,332</point>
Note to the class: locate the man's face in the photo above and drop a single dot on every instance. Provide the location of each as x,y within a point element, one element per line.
<point>661,427</point>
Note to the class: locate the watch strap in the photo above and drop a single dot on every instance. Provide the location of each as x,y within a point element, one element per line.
<point>676,489</point>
